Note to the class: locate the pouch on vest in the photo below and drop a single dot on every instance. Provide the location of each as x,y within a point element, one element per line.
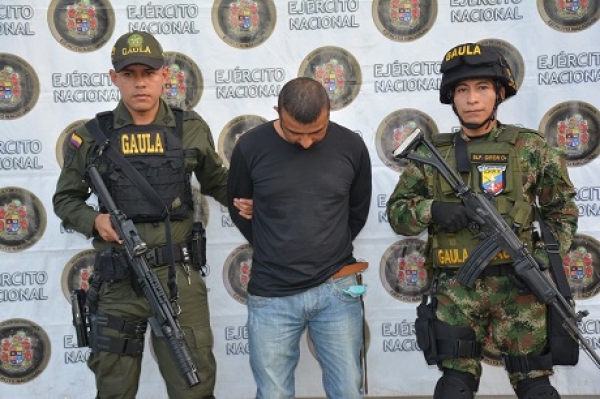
<point>111,265</point>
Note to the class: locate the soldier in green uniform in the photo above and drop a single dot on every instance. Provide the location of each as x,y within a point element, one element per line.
<point>165,145</point>
<point>518,169</point>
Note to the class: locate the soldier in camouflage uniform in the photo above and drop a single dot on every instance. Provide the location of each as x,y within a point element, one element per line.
<point>519,169</point>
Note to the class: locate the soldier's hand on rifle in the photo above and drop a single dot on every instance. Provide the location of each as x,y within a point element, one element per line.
<point>452,216</point>
<point>103,226</point>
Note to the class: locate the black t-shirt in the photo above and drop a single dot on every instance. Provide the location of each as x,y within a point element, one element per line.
<point>309,205</point>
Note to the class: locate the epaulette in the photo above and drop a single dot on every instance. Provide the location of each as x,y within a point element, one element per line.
<point>442,138</point>
<point>105,120</point>
<point>190,115</point>
<point>511,132</point>
<point>103,114</point>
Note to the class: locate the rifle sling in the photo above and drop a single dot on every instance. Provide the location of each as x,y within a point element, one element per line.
<point>463,164</point>
<point>552,248</point>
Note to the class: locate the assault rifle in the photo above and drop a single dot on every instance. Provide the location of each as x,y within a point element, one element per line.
<point>497,236</point>
<point>163,321</point>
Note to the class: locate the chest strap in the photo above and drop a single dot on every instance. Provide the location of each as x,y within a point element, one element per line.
<point>463,164</point>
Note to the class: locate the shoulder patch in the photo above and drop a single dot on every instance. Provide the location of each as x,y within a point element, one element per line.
<point>76,140</point>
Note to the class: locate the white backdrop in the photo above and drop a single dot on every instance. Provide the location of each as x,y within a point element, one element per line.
<point>380,62</point>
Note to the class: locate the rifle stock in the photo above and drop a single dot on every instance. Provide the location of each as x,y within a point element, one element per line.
<point>163,321</point>
<point>497,235</point>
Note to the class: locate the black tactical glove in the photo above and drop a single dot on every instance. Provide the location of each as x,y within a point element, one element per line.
<point>452,216</point>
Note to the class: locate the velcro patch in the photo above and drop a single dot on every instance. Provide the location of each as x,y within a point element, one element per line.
<point>497,158</point>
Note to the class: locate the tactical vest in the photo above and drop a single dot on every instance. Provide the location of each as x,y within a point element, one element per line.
<point>156,152</point>
<point>495,169</point>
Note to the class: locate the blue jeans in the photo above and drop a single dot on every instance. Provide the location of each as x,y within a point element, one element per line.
<point>334,321</point>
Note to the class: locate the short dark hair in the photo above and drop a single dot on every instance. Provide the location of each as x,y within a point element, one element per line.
<point>304,99</point>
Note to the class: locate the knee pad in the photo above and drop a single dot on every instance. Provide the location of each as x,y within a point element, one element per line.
<point>456,385</point>
<point>536,388</point>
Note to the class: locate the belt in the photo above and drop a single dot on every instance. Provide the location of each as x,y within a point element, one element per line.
<point>352,268</point>
<point>505,269</point>
<point>158,256</point>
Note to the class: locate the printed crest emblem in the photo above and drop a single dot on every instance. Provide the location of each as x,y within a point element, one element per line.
<point>405,13</point>
<point>245,268</point>
<point>393,130</point>
<point>16,351</point>
<point>331,76</point>
<point>516,65</point>
<point>185,84</point>
<point>572,134</point>
<point>19,87</point>
<point>10,86</point>
<point>403,271</point>
<point>13,219</point>
<point>244,16</point>
<point>404,20</point>
<point>411,271</point>
<point>337,70</point>
<point>401,133</point>
<point>582,268</point>
<point>24,351</point>
<point>174,89</point>
<point>81,25</point>
<point>571,9</point>
<point>81,19</point>
<point>493,178</point>
<point>569,15</point>
<point>573,127</point>
<point>236,273</point>
<point>244,23</point>
<point>84,276</point>
<point>22,219</point>
<point>578,267</point>
<point>77,272</point>
<point>233,130</point>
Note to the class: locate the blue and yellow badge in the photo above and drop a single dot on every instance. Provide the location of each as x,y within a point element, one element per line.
<point>75,140</point>
<point>492,178</point>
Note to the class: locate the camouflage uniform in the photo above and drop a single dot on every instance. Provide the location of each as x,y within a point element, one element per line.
<point>518,322</point>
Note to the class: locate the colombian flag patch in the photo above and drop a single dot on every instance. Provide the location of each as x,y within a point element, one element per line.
<point>76,140</point>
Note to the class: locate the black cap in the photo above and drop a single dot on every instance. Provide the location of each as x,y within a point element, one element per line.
<point>137,48</point>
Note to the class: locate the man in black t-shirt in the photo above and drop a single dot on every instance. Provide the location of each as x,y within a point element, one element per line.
<point>310,180</point>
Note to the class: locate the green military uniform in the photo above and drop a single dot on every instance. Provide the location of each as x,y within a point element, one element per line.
<point>531,170</point>
<point>118,375</point>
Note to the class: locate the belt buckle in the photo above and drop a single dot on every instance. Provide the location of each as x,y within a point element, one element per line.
<point>152,257</point>
<point>185,253</point>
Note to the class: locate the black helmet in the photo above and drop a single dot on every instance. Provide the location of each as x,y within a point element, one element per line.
<point>474,60</point>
